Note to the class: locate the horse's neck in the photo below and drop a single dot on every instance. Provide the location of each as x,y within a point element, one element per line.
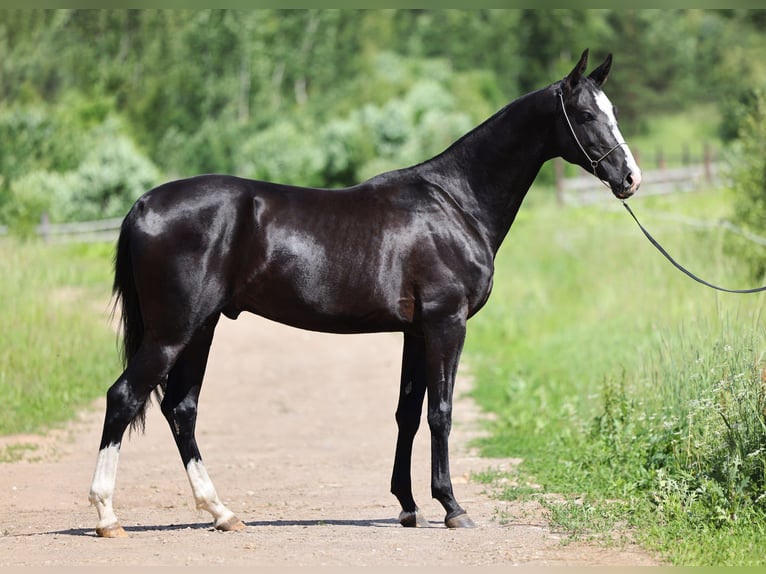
<point>490,169</point>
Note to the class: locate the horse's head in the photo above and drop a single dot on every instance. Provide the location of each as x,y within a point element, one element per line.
<point>587,129</point>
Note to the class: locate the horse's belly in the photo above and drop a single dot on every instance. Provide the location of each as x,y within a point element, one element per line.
<point>328,306</point>
<point>333,321</point>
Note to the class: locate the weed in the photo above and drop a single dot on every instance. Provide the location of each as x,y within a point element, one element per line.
<point>16,452</point>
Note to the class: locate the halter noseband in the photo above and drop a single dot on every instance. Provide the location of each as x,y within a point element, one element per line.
<point>593,163</point>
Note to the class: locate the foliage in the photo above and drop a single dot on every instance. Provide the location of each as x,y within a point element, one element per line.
<point>627,388</point>
<point>108,176</point>
<point>317,96</point>
<point>284,152</point>
<point>32,138</point>
<point>108,181</point>
<point>748,174</point>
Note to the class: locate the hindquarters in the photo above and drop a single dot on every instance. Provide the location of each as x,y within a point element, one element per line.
<point>175,265</point>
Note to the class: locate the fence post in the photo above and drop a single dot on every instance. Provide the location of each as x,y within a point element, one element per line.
<point>45,226</point>
<point>708,161</point>
<point>686,155</point>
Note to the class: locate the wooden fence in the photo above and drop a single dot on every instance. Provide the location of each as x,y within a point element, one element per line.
<point>662,173</point>
<point>585,188</point>
<point>78,232</point>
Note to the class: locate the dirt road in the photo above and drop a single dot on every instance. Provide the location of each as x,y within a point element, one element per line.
<point>297,432</point>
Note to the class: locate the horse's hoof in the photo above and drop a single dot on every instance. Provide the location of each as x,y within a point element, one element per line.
<point>413,519</point>
<point>460,520</point>
<point>111,531</point>
<point>233,524</point>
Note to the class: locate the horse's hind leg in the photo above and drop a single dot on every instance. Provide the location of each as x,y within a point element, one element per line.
<point>408,414</point>
<point>125,403</point>
<point>180,409</point>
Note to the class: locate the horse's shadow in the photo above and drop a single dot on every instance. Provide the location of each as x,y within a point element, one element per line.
<point>363,523</point>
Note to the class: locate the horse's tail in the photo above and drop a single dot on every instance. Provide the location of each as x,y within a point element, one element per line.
<point>126,297</point>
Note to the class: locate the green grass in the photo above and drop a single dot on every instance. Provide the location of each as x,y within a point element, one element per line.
<point>636,393</point>
<point>57,352</point>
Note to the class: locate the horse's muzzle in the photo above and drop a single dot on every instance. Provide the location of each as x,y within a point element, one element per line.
<point>630,185</point>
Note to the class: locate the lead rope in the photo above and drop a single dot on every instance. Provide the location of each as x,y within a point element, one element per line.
<point>680,267</point>
<point>652,240</point>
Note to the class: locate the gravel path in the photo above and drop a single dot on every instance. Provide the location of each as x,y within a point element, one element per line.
<point>297,431</point>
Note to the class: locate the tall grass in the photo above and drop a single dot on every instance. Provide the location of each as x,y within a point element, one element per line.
<point>56,349</point>
<point>617,378</point>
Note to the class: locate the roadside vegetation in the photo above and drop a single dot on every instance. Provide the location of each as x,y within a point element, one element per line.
<point>57,351</point>
<point>627,388</point>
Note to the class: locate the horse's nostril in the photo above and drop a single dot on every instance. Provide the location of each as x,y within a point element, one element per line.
<point>633,181</point>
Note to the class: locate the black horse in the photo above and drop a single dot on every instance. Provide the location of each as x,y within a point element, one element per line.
<point>411,250</point>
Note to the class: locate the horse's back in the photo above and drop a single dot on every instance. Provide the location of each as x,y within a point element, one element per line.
<point>357,259</point>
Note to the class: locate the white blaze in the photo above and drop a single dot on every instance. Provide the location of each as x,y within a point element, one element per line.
<point>606,106</point>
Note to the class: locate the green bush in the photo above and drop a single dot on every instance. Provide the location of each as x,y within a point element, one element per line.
<point>747,158</point>
<point>369,140</point>
<point>413,128</point>
<point>346,147</point>
<point>284,153</point>
<point>35,193</point>
<point>214,148</point>
<point>110,178</point>
<point>693,441</point>
<point>34,138</point>
<point>99,174</point>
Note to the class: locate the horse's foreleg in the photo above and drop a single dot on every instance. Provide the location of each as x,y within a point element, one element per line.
<point>444,343</point>
<point>408,413</point>
<point>180,409</point>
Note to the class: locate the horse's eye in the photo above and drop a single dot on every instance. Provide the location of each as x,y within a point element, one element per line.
<point>584,117</point>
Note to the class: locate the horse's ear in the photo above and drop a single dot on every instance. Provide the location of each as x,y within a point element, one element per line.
<point>575,75</point>
<point>600,74</point>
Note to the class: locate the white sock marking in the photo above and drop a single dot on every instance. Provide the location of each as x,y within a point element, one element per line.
<point>102,487</point>
<point>204,492</point>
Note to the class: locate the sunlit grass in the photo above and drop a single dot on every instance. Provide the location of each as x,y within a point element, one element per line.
<point>617,378</point>
<point>56,349</point>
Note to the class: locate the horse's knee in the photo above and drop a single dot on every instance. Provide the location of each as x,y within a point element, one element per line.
<point>181,414</point>
<point>408,422</point>
<point>440,420</point>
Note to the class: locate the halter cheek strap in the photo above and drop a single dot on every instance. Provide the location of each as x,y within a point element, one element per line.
<point>593,162</point>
